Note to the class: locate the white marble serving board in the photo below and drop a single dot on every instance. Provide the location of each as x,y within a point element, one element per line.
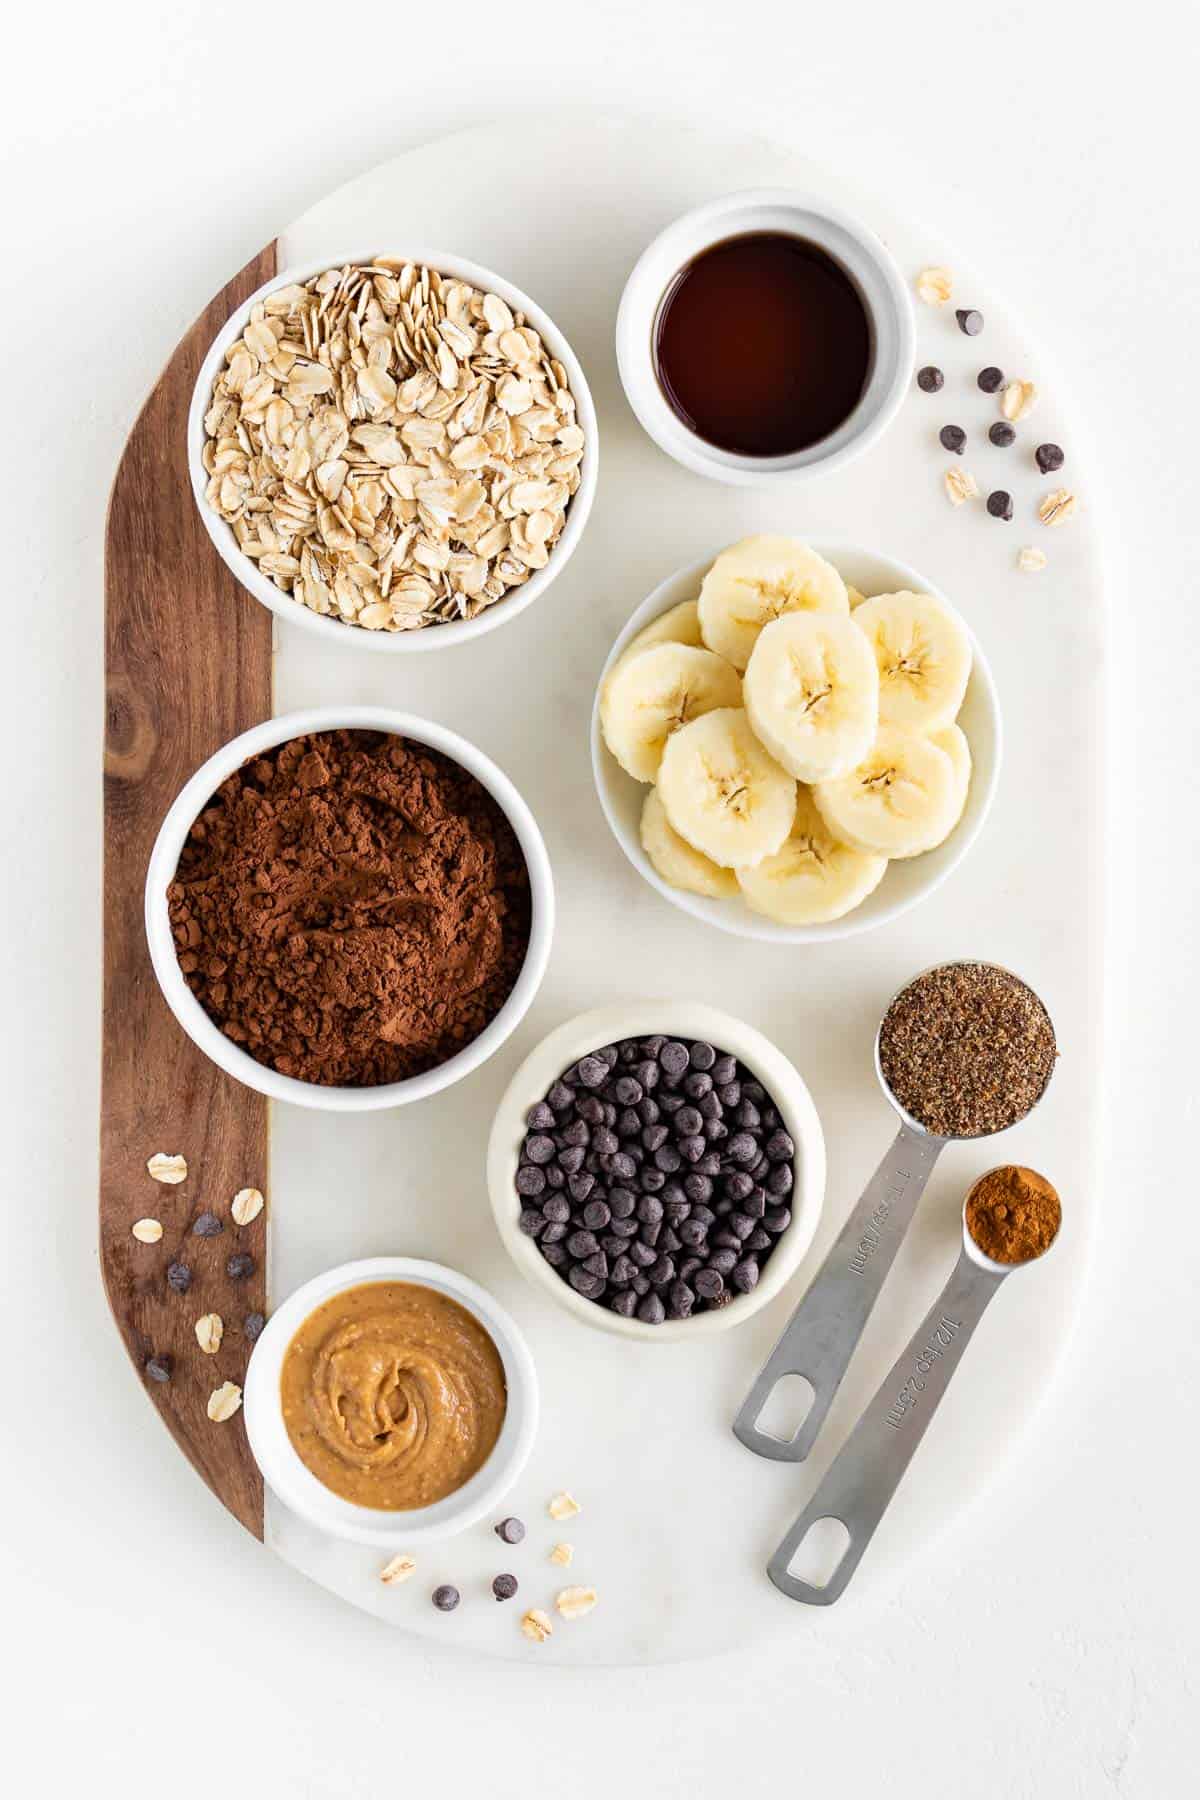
<point>678,1518</point>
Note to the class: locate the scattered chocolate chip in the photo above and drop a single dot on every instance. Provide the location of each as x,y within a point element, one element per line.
<point>207,1225</point>
<point>504,1587</point>
<point>252,1327</point>
<point>991,379</point>
<point>953,438</point>
<point>510,1531</point>
<point>1001,434</point>
<point>1000,504</point>
<point>969,320</point>
<point>240,1266</point>
<point>930,379</point>
<point>179,1277</point>
<point>1049,458</point>
<point>158,1368</point>
<point>446,1598</point>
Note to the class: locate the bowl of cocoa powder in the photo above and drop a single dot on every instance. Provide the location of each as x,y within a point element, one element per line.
<point>349,908</point>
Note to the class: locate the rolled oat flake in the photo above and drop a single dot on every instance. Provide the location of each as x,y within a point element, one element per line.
<point>966,1049</point>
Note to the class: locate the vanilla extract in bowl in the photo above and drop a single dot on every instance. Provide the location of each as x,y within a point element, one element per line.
<point>763,344</point>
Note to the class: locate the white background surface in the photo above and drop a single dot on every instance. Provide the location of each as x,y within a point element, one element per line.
<point>1049,1645</point>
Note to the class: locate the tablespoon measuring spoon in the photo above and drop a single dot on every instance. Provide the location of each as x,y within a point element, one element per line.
<point>823,1332</point>
<point>860,1482</point>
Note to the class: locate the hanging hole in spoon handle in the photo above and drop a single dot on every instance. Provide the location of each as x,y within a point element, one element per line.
<point>824,1330</point>
<point>861,1480</point>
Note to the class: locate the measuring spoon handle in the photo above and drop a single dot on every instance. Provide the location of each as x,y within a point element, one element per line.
<point>824,1330</point>
<point>859,1484</point>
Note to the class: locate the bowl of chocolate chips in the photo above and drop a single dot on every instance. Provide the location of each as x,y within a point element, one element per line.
<point>658,1168</point>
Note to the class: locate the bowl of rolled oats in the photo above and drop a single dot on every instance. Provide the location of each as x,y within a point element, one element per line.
<point>386,445</point>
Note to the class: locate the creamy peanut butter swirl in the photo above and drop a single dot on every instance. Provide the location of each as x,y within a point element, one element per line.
<point>393,1395</point>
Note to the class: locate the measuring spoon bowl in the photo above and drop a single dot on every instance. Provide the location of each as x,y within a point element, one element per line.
<point>858,1486</point>
<point>824,1331</point>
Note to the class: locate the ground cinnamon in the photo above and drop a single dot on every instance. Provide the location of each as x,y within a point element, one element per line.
<point>1013,1214</point>
<point>351,908</point>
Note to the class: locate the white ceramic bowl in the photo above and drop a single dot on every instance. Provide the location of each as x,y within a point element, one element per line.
<point>191,802</point>
<point>676,1018</point>
<point>299,1488</point>
<point>906,882</point>
<point>866,261</point>
<point>434,637</point>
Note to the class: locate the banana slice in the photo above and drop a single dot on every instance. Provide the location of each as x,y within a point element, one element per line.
<point>924,658</point>
<point>813,878</point>
<point>679,625</point>
<point>650,695</point>
<point>954,742</point>
<point>902,798</point>
<point>812,694</point>
<point>758,580</point>
<point>723,793</point>
<point>675,859</point>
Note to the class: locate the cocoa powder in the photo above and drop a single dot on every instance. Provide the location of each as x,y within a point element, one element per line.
<point>351,908</point>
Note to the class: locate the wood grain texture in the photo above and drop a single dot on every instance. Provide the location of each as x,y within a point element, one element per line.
<point>188,666</point>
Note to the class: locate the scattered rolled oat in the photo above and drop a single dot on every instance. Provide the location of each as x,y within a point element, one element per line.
<point>1017,400</point>
<point>146,1231</point>
<point>247,1204</point>
<point>563,1506</point>
<point>224,1401</point>
<point>398,1569</point>
<point>210,1329</point>
<point>1030,560</point>
<point>1058,506</point>
<point>171,1169</point>
<point>573,1602</point>
<point>537,1625</point>
<point>562,1554</point>
<point>393,447</point>
<point>960,486</point>
<point>935,286</point>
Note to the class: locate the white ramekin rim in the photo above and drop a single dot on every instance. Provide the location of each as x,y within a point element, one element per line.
<point>190,802</point>
<point>641,1018</point>
<point>935,866</point>
<point>458,631</point>
<point>295,1484</point>
<point>865,258</point>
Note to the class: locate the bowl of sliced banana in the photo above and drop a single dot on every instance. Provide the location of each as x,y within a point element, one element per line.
<point>796,741</point>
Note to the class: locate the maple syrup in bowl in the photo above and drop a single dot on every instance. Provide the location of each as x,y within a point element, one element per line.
<point>765,335</point>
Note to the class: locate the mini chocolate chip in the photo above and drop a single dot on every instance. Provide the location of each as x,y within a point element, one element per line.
<point>953,438</point>
<point>698,1187</point>
<point>158,1368</point>
<point>530,1222</point>
<point>650,1209</point>
<point>739,1185</point>
<point>743,1148</point>
<point>539,1148</point>
<point>777,1219</point>
<point>642,1255</point>
<point>969,321</point>
<point>648,1073</point>
<point>724,1069</point>
<point>540,1117</point>
<point>674,1057</point>
<point>758,1240</point>
<point>627,1091</point>
<point>446,1598</point>
<point>596,1265</point>
<point>530,1181</point>
<point>662,1273</point>
<point>745,1275</point>
<point>553,1253</point>
<point>668,1159</point>
<point>779,1147</point>
<point>179,1277</point>
<point>590,1109</point>
<point>680,1301</point>
<point>698,1084</point>
<point>580,1187</point>
<point>623,1166</point>
<point>647,1110</point>
<point>581,1244</point>
<point>779,1181</point>
<point>622,1271</point>
<point>1001,434</point>
<point>593,1071</point>
<point>556,1208</point>
<point>240,1266</point>
<point>715,1130</point>
<point>708,1283</point>
<point>560,1097</point>
<point>702,1055</point>
<point>571,1160</point>
<point>651,1310</point>
<point>605,1142</point>
<point>555,1179</point>
<point>1049,458</point>
<point>991,379</point>
<point>723,1259</point>
<point>652,1181</point>
<point>590,1287</point>
<point>624,1227</point>
<point>556,1230</point>
<point>621,1202</point>
<point>596,1215</point>
<point>510,1531</point>
<point>1000,505</point>
<point>504,1586</point>
<point>693,1233</point>
<point>252,1327</point>
<point>624,1304</point>
<point>930,379</point>
<point>207,1225</point>
<point>730,1093</point>
<point>653,1136</point>
<point>577,1134</point>
<point>741,1225</point>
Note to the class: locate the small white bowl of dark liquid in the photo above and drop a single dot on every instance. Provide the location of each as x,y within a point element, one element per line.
<point>765,335</point>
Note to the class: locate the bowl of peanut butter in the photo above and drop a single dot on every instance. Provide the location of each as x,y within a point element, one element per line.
<point>391,1400</point>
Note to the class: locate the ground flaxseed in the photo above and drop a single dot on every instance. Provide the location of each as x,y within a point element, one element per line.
<point>966,1049</point>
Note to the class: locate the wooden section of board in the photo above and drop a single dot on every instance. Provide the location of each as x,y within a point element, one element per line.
<point>188,666</point>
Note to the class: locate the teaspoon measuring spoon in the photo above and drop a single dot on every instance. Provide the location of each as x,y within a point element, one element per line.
<point>823,1332</point>
<point>864,1475</point>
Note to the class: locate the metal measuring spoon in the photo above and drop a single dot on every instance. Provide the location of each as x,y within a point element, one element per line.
<point>823,1332</point>
<point>859,1484</point>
